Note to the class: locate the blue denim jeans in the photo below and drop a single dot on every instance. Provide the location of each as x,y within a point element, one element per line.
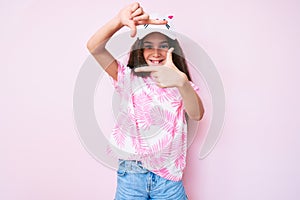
<point>137,183</point>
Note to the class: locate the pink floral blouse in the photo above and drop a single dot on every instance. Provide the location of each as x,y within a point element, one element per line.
<point>150,125</point>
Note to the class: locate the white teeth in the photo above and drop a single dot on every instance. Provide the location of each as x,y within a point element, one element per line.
<point>155,61</point>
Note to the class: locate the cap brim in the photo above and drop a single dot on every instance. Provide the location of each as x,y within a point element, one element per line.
<point>142,32</point>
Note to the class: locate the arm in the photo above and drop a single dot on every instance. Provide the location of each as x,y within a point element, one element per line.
<point>131,16</point>
<point>96,46</point>
<point>192,102</point>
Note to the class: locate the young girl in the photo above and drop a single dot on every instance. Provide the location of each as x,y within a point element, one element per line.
<point>156,95</point>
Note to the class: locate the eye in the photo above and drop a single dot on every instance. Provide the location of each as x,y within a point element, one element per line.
<point>164,46</point>
<point>148,46</point>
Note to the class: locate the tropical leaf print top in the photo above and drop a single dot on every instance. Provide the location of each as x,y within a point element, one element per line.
<point>150,125</point>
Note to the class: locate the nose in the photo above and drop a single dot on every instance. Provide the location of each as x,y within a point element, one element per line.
<point>156,52</point>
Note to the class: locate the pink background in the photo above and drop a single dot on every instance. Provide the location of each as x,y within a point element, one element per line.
<point>255,46</point>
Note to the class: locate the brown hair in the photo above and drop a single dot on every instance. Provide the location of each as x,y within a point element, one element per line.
<point>136,57</point>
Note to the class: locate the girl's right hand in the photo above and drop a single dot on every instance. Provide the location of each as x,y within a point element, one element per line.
<point>133,15</point>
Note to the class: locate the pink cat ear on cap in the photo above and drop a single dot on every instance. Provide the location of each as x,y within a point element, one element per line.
<point>166,29</point>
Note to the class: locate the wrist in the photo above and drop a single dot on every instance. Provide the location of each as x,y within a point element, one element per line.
<point>118,21</point>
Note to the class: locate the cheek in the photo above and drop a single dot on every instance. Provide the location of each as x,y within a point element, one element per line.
<point>164,53</point>
<point>145,54</point>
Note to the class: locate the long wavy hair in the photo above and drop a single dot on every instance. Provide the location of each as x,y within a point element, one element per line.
<point>136,57</point>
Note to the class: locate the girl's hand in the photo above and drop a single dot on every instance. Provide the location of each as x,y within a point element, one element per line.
<point>167,75</point>
<point>133,15</point>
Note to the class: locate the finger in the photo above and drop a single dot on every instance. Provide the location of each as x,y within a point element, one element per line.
<point>161,85</point>
<point>157,21</point>
<point>135,6</point>
<point>143,17</point>
<point>140,21</point>
<point>169,55</point>
<point>154,78</point>
<point>154,75</point>
<point>146,69</point>
<point>132,26</point>
<point>137,12</point>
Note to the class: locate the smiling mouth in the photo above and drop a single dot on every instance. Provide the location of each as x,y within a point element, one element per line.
<point>156,62</point>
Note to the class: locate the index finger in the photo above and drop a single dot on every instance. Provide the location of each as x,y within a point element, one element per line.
<point>157,21</point>
<point>146,69</point>
<point>140,20</point>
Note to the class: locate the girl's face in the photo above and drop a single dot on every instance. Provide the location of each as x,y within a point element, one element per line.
<point>155,47</point>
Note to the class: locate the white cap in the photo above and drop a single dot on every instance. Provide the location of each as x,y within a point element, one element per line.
<point>166,29</point>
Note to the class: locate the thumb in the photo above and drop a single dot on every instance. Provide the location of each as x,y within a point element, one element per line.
<point>132,26</point>
<point>169,56</point>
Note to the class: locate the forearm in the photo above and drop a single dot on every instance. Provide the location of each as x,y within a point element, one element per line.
<point>98,41</point>
<point>192,102</point>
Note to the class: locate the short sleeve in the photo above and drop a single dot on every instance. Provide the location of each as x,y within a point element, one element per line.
<point>118,84</point>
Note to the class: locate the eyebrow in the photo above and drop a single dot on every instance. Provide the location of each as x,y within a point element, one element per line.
<point>148,42</point>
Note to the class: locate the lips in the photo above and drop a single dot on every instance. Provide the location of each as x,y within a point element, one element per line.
<point>156,62</point>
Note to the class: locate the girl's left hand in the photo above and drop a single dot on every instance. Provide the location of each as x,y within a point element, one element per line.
<point>133,15</point>
<point>167,75</point>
